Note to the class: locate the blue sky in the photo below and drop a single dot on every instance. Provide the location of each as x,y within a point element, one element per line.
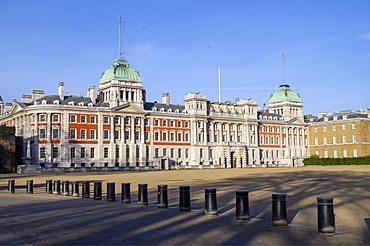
<point>177,47</point>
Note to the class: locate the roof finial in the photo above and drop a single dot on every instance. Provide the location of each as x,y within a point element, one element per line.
<point>283,61</point>
<point>120,52</point>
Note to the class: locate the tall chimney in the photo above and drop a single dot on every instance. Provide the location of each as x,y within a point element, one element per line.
<point>61,90</point>
<point>166,98</point>
<point>91,92</point>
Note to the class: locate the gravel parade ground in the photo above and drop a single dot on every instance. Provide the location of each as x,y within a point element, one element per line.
<point>48,219</point>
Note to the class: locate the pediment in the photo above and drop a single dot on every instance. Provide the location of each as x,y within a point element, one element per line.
<point>129,108</point>
<point>16,108</point>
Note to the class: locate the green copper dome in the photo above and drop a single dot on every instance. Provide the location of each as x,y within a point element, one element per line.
<point>120,70</point>
<point>285,94</point>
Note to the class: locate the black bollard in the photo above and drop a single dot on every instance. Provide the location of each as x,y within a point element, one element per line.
<point>49,186</point>
<point>97,190</point>
<point>325,215</point>
<point>75,189</point>
<point>29,189</point>
<point>242,205</point>
<point>85,189</point>
<point>279,211</point>
<point>11,186</point>
<point>65,188</point>
<point>56,187</point>
<point>125,193</point>
<point>143,194</point>
<point>162,196</point>
<point>210,201</point>
<point>184,197</point>
<point>111,192</point>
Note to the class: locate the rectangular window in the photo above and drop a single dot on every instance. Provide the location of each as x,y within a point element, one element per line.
<point>83,152</point>
<point>325,140</point>
<point>137,122</point>
<point>137,135</point>
<point>345,153</point>
<point>164,136</point>
<point>172,136</point>
<point>179,136</point>
<point>73,118</point>
<point>116,120</point>
<point>92,119</point>
<point>42,133</point>
<point>334,127</point>
<point>164,123</point>
<point>201,153</point>
<point>106,120</point>
<point>171,123</point>
<point>326,155</point>
<point>355,153</point>
<point>105,152</point>
<point>155,122</point>
<point>179,153</point>
<point>83,134</point>
<point>344,127</point>
<point>354,138</point>
<point>186,137</point>
<point>55,152</point>
<point>116,134</point>
<point>127,121</point>
<point>73,133</point>
<point>335,154</point>
<point>117,152</point>
<point>344,138</point>
<point>186,153</point>
<point>146,136</point>
<point>42,117</point>
<point>164,152</point>
<point>106,134</point>
<point>156,152</point>
<point>186,124</point>
<point>146,122</point>
<point>172,153</point>
<point>55,133</point>
<point>334,140</point>
<point>55,118</point>
<point>73,152</point>
<point>210,153</point>
<point>316,141</point>
<point>354,126</point>
<point>127,135</point>
<point>179,124</point>
<point>324,128</point>
<point>92,134</point>
<point>83,119</point>
<point>92,153</point>
<point>42,152</point>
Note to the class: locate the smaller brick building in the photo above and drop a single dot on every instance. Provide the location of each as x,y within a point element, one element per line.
<point>340,135</point>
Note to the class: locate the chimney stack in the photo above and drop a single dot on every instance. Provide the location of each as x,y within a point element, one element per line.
<point>166,98</point>
<point>61,90</point>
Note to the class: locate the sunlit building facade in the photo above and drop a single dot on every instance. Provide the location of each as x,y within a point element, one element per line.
<point>115,127</point>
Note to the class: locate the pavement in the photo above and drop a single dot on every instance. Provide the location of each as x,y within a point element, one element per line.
<point>48,219</point>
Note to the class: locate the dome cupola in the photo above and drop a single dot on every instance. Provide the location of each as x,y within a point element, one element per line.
<point>122,71</point>
<point>285,93</point>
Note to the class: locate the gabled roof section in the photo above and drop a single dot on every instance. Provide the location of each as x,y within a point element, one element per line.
<point>129,107</point>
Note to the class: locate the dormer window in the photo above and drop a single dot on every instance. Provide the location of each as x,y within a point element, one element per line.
<point>56,102</point>
<point>170,110</point>
<point>90,104</point>
<point>344,117</point>
<point>177,111</point>
<point>154,109</point>
<point>81,104</point>
<point>162,110</point>
<point>35,102</point>
<point>71,103</point>
<point>184,111</point>
<point>44,102</point>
